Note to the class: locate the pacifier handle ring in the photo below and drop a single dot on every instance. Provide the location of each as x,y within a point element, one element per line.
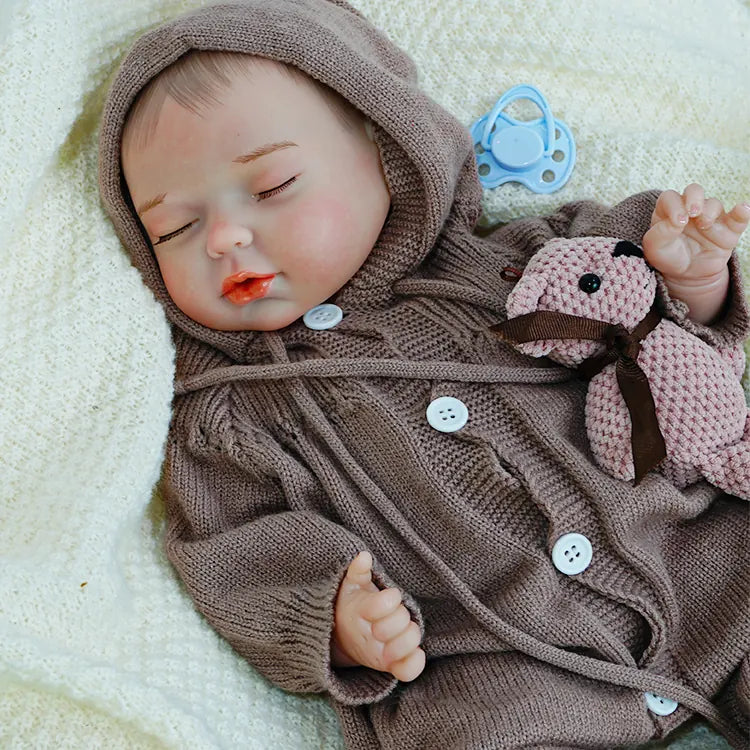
<point>522,91</point>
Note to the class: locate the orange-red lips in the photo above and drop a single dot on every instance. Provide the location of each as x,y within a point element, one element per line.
<point>245,286</point>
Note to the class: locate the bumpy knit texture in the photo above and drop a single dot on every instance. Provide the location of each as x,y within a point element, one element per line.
<point>100,646</point>
<point>699,403</point>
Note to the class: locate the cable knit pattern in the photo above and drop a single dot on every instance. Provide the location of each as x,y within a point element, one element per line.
<point>99,644</point>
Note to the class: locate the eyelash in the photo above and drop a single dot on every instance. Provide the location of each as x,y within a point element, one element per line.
<point>169,236</point>
<point>264,193</point>
<point>275,191</point>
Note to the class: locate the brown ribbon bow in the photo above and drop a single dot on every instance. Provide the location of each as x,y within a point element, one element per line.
<point>623,347</point>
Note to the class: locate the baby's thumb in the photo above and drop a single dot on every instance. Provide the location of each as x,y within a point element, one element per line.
<point>359,572</point>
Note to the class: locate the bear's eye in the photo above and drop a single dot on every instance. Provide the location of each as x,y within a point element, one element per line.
<point>589,283</point>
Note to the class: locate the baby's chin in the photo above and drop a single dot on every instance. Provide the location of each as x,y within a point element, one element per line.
<point>259,315</point>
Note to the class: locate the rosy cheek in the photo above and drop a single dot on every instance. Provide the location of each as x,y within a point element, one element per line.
<point>320,226</point>
<point>175,280</point>
<point>173,289</point>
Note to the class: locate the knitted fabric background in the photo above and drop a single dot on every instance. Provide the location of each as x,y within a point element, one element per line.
<point>99,646</point>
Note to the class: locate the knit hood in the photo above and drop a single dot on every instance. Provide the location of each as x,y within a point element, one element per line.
<point>426,154</point>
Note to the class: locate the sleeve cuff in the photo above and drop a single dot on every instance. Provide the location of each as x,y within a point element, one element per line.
<point>734,325</point>
<point>350,686</point>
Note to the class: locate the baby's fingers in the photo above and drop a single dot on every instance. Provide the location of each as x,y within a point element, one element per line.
<point>410,667</point>
<point>693,199</point>
<point>723,229</point>
<point>392,624</point>
<point>712,210</point>
<point>738,218</point>
<point>381,604</point>
<point>402,645</point>
<point>359,573</point>
<point>673,208</point>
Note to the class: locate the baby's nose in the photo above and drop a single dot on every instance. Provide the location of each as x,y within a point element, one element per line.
<point>224,237</point>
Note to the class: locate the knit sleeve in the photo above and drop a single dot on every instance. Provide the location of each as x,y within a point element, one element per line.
<point>731,329</point>
<point>263,569</point>
<point>629,220</point>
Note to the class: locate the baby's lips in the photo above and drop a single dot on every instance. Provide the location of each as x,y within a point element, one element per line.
<point>245,286</point>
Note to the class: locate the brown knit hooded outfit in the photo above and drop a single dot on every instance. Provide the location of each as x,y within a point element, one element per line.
<point>290,451</point>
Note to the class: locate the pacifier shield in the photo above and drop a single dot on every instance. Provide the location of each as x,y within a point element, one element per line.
<point>517,148</point>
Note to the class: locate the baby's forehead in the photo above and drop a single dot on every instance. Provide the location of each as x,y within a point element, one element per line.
<point>199,80</point>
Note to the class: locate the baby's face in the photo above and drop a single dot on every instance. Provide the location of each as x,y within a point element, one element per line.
<point>259,208</point>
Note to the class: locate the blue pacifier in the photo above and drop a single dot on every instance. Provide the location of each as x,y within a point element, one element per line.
<point>539,153</point>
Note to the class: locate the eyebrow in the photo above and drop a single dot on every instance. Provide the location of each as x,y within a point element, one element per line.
<point>149,204</point>
<point>256,153</point>
<point>269,148</point>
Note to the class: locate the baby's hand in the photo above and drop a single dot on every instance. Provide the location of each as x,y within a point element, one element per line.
<point>691,237</point>
<point>372,627</point>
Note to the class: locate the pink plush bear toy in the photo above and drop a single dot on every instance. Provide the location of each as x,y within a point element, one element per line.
<point>658,395</point>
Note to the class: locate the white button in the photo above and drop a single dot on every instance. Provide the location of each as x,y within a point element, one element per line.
<point>660,706</point>
<point>447,414</point>
<point>322,317</point>
<point>572,554</point>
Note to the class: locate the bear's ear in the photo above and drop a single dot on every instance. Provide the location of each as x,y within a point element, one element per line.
<point>623,247</point>
<point>524,297</point>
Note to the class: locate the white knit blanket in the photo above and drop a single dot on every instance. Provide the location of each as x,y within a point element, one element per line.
<point>99,645</point>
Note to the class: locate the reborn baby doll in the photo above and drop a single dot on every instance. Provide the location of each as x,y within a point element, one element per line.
<point>362,485</point>
<point>681,399</point>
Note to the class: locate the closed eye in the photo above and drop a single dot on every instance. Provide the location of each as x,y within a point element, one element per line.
<point>166,237</point>
<point>275,191</point>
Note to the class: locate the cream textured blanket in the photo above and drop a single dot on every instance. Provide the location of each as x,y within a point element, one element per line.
<point>99,646</point>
